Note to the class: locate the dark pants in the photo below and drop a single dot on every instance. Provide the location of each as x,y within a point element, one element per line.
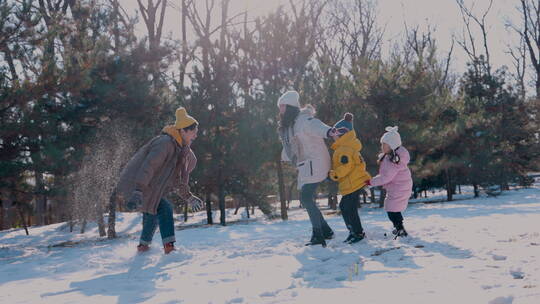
<point>349,210</point>
<point>397,219</point>
<point>164,218</point>
<point>307,198</point>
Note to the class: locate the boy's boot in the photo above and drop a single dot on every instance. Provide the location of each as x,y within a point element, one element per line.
<point>351,235</point>
<point>357,237</point>
<point>328,233</point>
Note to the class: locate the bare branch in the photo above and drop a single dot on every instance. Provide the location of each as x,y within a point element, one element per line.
<point>467,16</point>
<point>144,13</point>
<point>161,18</point>
<point>228,22</point>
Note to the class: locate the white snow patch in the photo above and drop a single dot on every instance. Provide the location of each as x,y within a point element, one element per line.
<point>483,250</point>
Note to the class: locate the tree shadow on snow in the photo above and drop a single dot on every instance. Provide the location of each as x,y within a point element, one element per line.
<point>445,249</point>
<point>506,204</point>
<point>136,285</point>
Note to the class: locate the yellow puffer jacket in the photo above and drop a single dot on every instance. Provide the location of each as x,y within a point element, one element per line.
<point>348,166</point>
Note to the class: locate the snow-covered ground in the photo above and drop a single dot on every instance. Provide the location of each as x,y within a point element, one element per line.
<point>484,250</point>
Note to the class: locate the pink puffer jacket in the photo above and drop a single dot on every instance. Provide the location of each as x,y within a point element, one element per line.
<point>397,180</point>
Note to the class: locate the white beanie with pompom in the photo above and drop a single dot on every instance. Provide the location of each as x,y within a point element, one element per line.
<point>289,98</point>
<point>391,137</point>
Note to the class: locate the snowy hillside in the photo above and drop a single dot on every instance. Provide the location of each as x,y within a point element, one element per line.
<point>484,250</point>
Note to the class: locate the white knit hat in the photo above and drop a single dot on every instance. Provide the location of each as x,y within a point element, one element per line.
<point>289,98</point>
<point>391,137</point>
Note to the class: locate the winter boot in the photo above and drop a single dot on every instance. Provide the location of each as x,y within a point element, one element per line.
<point>142,248</point>
<point>329,234</point>
<point>317,239</point>
<point>357,237</point>
<point>351,235</point>
<point>400,233</point>
<point>168,247</point>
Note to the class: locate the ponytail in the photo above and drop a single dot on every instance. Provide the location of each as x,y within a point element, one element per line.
<point>394,157</point>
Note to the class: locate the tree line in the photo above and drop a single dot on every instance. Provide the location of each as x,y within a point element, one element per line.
<point>81,90</point>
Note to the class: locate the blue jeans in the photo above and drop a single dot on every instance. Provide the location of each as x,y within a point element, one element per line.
<point>164,218</point>
<point>307,198</point>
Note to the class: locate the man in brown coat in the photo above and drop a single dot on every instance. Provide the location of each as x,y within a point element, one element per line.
<point>161,164</point>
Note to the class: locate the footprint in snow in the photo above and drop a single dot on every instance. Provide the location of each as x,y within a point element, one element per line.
<point>502,300</point>
<point>269,293</point>
<point>236,300</point>
<point>517,274</point>
<point>499,257</point>
<point>485,287</point>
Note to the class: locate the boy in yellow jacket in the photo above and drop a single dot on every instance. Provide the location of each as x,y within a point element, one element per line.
<point>349,170</point>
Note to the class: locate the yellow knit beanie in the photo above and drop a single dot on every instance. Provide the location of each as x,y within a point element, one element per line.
<point>183,120</point>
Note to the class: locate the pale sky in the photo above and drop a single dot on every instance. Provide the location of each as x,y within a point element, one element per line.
<point>443,15</point>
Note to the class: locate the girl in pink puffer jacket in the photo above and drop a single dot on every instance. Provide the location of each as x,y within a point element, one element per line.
<point>395,177</point>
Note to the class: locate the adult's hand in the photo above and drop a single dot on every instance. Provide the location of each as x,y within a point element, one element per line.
<point>135,200</point>
<point>183,192</point>
<point>195,203</point>
<point>332,132</point>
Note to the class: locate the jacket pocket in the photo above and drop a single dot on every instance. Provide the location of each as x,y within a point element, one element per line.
<point>305,169</point>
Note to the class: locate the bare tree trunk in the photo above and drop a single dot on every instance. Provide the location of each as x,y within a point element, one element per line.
<point>382,198</point>
<point>7,213</point>
<point>111,231</point>
<point>238,205</point>
<point>331,203</point>
<point>364,196</point>
<point>50,214</point>
<point>209,219</point>
<point>41,199</point>
<point>116,29</point>
<point>281,184</point>
<point>222,210</point>
<point>185,212</point>
<point>21,215</point>
<point>290,193</point>
<point>449,189</point>
<point>83,225</point>
<point>530,35</point>
<point>185,58</point>
<point>332,195</point>
<point>468,43</point>
<point>100,221</point>
<point>71,225</point>
<point>9,59</point>
<point>154,26</point>
<point>372,195</point>
<point>3,212</point>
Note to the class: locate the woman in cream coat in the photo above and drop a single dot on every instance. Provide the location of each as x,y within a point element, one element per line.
<point>302,136</point>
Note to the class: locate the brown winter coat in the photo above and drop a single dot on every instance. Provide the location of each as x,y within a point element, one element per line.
<point>156,168</point>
